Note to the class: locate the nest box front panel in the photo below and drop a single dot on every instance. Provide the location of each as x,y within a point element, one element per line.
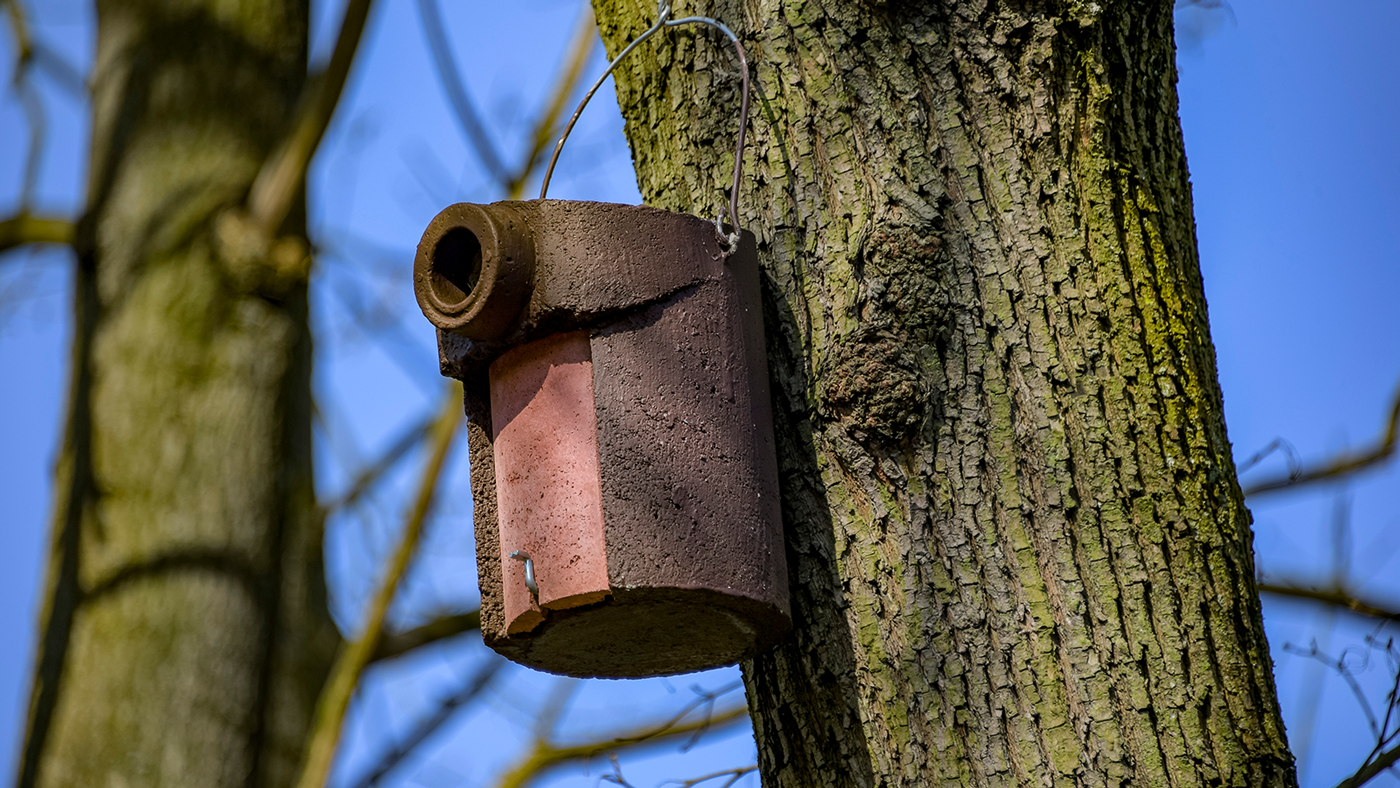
<point>548,491</point>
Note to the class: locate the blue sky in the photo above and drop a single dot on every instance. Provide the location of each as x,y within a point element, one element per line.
<point>1290,110</point>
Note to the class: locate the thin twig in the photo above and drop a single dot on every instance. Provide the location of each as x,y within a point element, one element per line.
<point>351,662</point>
<point>435,32</point>
<point>375,471</point>
<point>1339,666</point>
<point>30,101</point>
<point>27,229</point>
<point>431,723</point>
<point>554,707</point>
<point>1363,775</point>
<point>734,776</point>
<point>545,757</point>
<point>24,42</point>
<point>616,777</point>
<point>280,179</point>
<point>1379,759</point>
<point>1344,465</point>
<point>1295,466</point>
<point>29,50</point>
<point>61,70</point>
<point>38,136</point>
<point>395,645</point>
<point>1336,597</point>
<point>546,127</point>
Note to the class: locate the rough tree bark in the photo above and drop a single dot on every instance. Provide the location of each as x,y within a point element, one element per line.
<point>1018,549</point>
<point>185,632</point>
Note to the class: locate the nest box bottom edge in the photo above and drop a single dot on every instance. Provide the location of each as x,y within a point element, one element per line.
<point>645,632</point>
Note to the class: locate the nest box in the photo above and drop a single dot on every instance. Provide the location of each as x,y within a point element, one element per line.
<point>622,459</point>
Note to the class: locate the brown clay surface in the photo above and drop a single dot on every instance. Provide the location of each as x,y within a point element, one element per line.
<point>649,632</point>
<point>547,480</point>
<point>691,542</point>
<point>690,492</point>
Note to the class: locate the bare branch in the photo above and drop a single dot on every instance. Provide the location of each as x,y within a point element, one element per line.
<point>1364,775</point>
<point>554,707</point>
<point>29,100</point>
<point>616,777</point>
<point>1380,758</point>
<point>351,662</point>
<point>431,723</point>
<point>61,70</point>
<point>30,50</point>
<point>546,127</point>
<point>1295,466</point>
<point>394,645</point>
<point>1344,465</point>
<point>546,757</point>
<point>372,473</point>
<point>38,135</point>
<point>435,32</point>
<point>732,774</point>
<point>1339,666</point>
<point>513,182</point>
<point>26,229</point>
<point>1336,597</point>
<point>282,174</point>
<point>24,43</point>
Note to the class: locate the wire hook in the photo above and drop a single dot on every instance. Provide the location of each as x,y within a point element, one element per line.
<point>530,583</point>
<point>663,19</point>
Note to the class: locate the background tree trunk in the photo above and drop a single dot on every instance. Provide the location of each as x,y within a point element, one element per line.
<point>185,632</point>
<point>1019,551</point>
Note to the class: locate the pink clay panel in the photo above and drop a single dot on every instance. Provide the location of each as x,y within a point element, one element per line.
<point>547,477</point>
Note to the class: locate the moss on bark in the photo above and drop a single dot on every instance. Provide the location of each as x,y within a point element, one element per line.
<point>185,632</point>
<point>1018,549</point>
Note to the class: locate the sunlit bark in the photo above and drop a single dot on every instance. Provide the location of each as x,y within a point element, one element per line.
<point>1018,549</point>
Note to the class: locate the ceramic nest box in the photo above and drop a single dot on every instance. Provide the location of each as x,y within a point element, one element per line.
<point>622,460</point>
<point>620,433</point>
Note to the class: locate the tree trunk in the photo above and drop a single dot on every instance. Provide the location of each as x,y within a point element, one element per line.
<point>185,632</point>
<point>1018,551</point>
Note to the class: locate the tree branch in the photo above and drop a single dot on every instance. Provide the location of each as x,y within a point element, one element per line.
<point>61,70</point>
<point>581,46</point>
<point>732,774</point>
<point>376,470</point>
<point>1364,775</point>
<point>30,50</point>
<point>282,174</point>
<point>435,32</point>
<point>351,662</point>
<point>546,756</point>
<point>391,645</point>
<point>430,724</point>
<point>38,136</point>
<point>24,43</point>
<point>1341,466</point>
<point>27,229</point>
<point>1335,597</point>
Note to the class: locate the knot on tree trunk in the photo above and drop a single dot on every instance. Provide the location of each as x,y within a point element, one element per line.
<point>878,389</point>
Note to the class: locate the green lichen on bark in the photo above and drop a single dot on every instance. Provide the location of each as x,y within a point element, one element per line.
<point>1018,549</point>
<point>185,632</point>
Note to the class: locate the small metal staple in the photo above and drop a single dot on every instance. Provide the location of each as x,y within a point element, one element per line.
<point>663,19</point>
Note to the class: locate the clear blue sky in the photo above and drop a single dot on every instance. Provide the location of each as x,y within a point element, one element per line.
<point>1290,111</point>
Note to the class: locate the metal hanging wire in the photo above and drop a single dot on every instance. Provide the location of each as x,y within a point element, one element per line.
<point>663,19</point>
